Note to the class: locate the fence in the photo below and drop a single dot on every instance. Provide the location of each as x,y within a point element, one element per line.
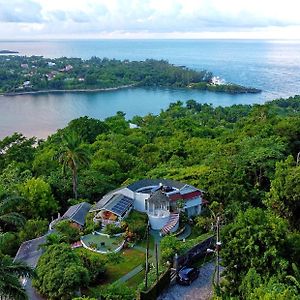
<point>193,254</point>
<point>154,291</point>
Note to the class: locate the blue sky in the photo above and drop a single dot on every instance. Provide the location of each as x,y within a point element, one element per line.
<point>39,19</point>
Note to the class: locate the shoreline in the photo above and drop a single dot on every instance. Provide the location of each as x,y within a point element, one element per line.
<point>69,91</point>
<point>119,88</point>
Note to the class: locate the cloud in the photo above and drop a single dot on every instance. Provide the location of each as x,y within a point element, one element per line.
<point>103,17</point>
<point>18,11</point>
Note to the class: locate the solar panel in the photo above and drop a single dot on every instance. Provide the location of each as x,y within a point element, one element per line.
<point>121,207</point>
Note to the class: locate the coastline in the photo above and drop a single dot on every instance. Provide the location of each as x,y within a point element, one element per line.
<point>207,88</point>
<point>69,91</point>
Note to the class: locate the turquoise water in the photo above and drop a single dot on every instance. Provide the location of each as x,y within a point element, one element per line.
<point>273,66</point>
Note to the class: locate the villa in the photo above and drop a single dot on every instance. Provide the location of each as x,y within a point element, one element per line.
<point>160,199</point>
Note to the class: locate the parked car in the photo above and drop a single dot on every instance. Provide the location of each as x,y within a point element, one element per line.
<point>187,275</point>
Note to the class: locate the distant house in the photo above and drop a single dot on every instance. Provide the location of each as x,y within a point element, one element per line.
<point>77,213</point>
<point>26,83</point>
<point>51,64</point>
<point>161,199</point>
<point>67,68</point>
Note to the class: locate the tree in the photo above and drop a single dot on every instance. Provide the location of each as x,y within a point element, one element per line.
<point>9,218</point>
<point>256,239</point>
<point>118,291</point>
<point>72,155</point>
<point>10,273</point>
<point>38,200</point>
<point>95,263</point>
<point>284,195</point>
<point>69,233</point>
<point>33,228</point>
<point>67,274</point>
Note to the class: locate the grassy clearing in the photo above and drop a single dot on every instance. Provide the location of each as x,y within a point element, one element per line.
<point>143,243</point>
<point>195,234</point>
<point>132,258</point>
<point>136,280</point>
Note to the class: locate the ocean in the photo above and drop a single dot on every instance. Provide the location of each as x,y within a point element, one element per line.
<point>270,65</point>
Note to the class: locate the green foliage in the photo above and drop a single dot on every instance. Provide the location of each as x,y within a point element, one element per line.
<point>87,128</point>
<point>10,273</point>
<point>137,224</point>
<point>94,263</point>
<point>256,239</point>
<point>38,199</point>
<point>284,195</point>
<point>67,275</point>
<point>170,245</point>
<point>9,218</point>
<point>112,229</point>
<point>16,148</point>
<point>68,231</point>
<point>238,155</point>
<point>117,291</point>
<point>72,154</point>
<point>32,229</point>
<point>9,243</point>
<point>115,258</point>
<point>90,226</point>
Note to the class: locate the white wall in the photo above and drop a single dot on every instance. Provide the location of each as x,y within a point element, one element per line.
<point>157,223</point>
<point>139,201</point>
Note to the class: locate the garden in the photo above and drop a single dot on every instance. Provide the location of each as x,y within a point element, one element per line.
<point>102,243</point>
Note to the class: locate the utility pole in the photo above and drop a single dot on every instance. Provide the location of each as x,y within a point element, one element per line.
<point>218,248</point>
<point>156,260</point>
<point>147,258</point>
<point>298,158</point>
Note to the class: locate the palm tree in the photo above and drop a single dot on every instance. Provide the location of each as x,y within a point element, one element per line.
<point>71,155</point>
<point>10,274</point>
<point>8,217</point>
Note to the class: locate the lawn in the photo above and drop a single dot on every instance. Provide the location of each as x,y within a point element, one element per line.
<point>136,280</point>
<point>132,258</point>
<point>143,243</point>
<point>195,234</point>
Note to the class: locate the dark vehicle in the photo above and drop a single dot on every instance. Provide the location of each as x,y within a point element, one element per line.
<point>187,275</point>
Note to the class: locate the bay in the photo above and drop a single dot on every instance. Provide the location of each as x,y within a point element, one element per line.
<point>273,66</point>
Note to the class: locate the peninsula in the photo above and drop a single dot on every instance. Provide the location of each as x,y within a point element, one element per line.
<point>34,74</point>
<point>8,52</point>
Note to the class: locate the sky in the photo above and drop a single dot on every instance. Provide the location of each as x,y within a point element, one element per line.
<point>133,19</point>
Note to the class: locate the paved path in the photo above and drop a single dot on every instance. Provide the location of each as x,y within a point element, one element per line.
<point>186,233</point>
<point>130,274</point>
<point>200,289</point>
<point>30,252</point>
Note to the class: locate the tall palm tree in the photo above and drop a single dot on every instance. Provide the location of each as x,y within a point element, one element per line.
<point>72,155</point>
<point>10,274</point>
<point>8,215</point>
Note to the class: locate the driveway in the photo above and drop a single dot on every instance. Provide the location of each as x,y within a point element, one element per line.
<point>30,252</point>
<point>200,289</point>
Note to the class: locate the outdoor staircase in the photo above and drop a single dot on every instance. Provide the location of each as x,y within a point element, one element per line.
<point>173,220</point>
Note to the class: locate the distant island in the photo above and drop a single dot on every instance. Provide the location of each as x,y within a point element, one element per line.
<point>8,52</point>
<point>36,74</point>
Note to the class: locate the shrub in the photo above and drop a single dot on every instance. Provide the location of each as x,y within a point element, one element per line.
<point>112,229</point>
<point>70,232</point>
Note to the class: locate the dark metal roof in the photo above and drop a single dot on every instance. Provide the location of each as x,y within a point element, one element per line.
<point>30,251</point>
<point>77,213</point>
<point>105,200</point>
<point>155,182</point>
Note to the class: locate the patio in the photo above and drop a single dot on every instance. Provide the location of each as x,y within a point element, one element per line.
<point>102,243</point>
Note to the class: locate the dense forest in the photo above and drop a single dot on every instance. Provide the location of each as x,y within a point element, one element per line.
<point>19,74</point>
<point>245,158</point>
